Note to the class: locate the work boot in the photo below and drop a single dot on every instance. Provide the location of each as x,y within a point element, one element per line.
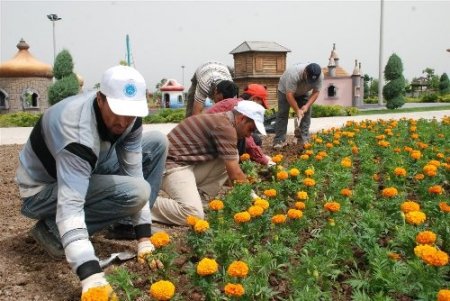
<point>47,240</point>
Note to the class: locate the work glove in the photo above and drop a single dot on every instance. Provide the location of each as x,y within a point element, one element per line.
<point>96,288</point>
<point>270,162</point>
<point>254,195</point>
<point>145,255</point>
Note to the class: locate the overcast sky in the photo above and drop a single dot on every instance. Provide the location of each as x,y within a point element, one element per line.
<point>165,35</point>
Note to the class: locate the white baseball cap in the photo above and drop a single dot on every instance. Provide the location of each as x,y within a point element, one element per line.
<point>125,90</point>
<point>253,111</point>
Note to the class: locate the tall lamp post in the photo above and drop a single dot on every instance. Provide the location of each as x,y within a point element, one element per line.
<point>54,18</point>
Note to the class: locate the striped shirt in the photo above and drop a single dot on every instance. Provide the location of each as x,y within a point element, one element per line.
<point>201,138</point>
<point>208,76</point>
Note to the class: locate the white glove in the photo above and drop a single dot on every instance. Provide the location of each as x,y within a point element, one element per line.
<point>270,162</point>
<point>94,280</point>
<point>254,195</point>
<point>145,248</point>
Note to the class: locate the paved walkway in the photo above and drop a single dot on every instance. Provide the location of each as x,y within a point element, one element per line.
<point>20,135</point>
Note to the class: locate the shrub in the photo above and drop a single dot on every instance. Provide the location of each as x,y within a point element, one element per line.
<point>327,111</point>
<point>19,119</point>
<point>65,87</point>
<point>393,91</point>
<point>430,97</point>
<point>63,65</point>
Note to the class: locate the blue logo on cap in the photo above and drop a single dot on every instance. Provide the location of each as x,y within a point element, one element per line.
<point>130,90</point>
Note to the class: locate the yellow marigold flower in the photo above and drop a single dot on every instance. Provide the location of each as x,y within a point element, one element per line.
<point>443,295</point>
<point>430,170</point>
<point>270,193</point>
<point>415,154</point>
<point>414,136</point>
<point>380,137</point>
<point>160,239</point>
<point>318,141</point>
<point>300,205</point>
<point>162,290</point>
<point>264,204</point>
<point>277,158</point>
<point>245,157</point>
<point>99,293</point>
<point>238,269</point>
<point>234,290</point>
<point>409,206</point>
<point>302,195</point>
<point>383,143</point>
<point>346,162</point>
<point>435,189</point>
<point>201,226</point>
<point>279,219</point>
<point>293,172</point>
<point>394,256</point>
<point>346,192</point>
<point>191,220</point>
<point>389,192</point>
<point>216,205</point>
<point>294,214</point>
<point>440,156</point>
<point>419,177</point>
<point>307,145</point>
<point>319,157</point>
<point>415,217</point>
<point>444,207</point>
<point>328,145</point>
<point>207,266</point>
<point>400,172</point>
<point>309,172</point>
<point>255,211</point>
<point>397,150</point>
<point>422,145</point>
<point>426,238</point>
<point>420,249</point>
<point>242,217</point>
<point>332,206</point>
<point>304,157</point>
<point>309,182</point>
<point>434,162</point>
<point>323,154</point>
<point>282,175</point>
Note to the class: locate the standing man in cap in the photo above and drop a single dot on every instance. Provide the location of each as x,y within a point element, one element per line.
<point>213,80</point>
<point>298,88</point>
<point>86,165</point>
<point>202,156</point>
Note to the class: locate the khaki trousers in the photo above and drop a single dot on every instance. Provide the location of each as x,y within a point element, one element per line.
<point>185,186</point>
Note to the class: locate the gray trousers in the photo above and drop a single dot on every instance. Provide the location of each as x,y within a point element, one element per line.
<point>302,132</point>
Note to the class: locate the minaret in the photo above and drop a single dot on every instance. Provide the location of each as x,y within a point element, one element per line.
<point>332,63</point>
<point>356,84</point>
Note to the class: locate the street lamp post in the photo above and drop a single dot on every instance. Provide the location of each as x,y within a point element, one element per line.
<point>54,18</point>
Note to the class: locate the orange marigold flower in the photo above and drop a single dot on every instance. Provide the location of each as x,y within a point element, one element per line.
<point>304,157</point>
<point>270,193</point>
<point>318,140</point>
<point>409,206</point>
<point>201,226</point>
<point>309,152</point>
<point>162,290</point>
<point>319,157</point>
<point>309,172</point>
<point>430,170</point>
<point>277,158</point>
<point>400,172</point>
<point>415,154</point>
<point>323,154</point>
<point>435,257</point>
<point>355,150</point>
<point>238,269</point>
<point>282,175</point>
<point>426,238</point>
<point>216,205</point>
<point>376,177</point>
<point>394,256</point>
<point>255,211</point>
<point>294,214</point>
<point>191,220</point>
<point>415,217</point>
<point>309,182</point>
<point>307,145</point>
<point>332,206</point>
<point>444,207</point>
<point>443,295</point>
<point>207,266</point>
<point>389,192</point>
<point>104,292</point>
<point>279,219</point>
<point>245,157</point>
<point>435,189</point>
<point>160,239</point>
<point>408,149</point>
<point>264,204</point>
<point>346,192</point>
<point>435,163</point>
<point>300,205</point>
<point>293,172</point>
<point>397,150</point>
<point>419,177</point>
<point>440,156</point>
<point>242,217</point>
<point>234,290</point>
<point>346,162</point>
<point>414,136</point>
<point>383,143</point>
<point>329,145</point>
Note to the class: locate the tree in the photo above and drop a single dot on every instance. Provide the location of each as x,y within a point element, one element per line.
<point>373,88</point>
<point>444,84</point>
<point>394,89</point>
<point>66,83</point>
<point>367,79</point>
<point>432,79</point>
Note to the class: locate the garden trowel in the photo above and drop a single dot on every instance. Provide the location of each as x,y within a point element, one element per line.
<point>121,256</point>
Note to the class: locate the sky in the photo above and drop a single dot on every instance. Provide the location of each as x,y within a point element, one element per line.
<point>166,35</point>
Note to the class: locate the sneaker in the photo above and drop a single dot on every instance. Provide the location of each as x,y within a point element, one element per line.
<point>280,145</point>
<point>47,240</point>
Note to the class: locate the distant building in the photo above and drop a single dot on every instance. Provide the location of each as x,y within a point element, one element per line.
<point>24,82</point>
<point>172,95</point>
<point>259,62</point>
<point>339,87</point>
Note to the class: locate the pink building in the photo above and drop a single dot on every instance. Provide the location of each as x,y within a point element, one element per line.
<point>339,87</point>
